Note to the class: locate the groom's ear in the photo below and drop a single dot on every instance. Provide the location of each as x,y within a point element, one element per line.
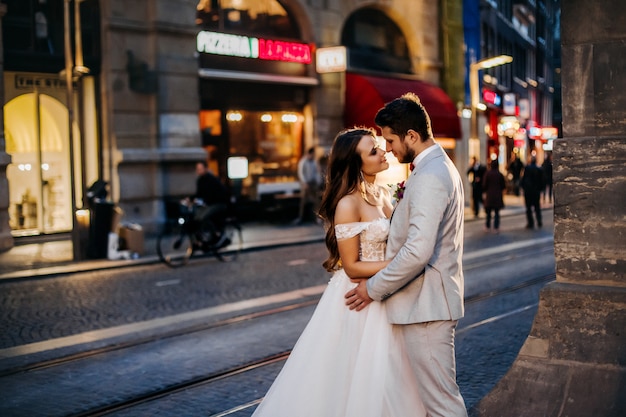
<point>414,136</point>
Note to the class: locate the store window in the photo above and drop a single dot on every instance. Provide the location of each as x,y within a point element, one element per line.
<point>255,72</point>
<point>271,143</point>
<point>252,17</point>
<point>33,35</point>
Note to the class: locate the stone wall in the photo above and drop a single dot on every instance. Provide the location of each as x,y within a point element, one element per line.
<point>6,240</point>
<point>574,360</point>
<point>150,129</point>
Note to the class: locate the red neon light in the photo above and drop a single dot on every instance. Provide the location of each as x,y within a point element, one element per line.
<point>489,96</point>
<point>284,51</point>
<point>492,97</point>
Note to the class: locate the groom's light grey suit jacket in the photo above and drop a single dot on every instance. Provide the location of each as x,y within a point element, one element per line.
<point>424,281</point>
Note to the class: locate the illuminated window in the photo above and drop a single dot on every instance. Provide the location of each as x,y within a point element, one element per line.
<point>210,122</point>
<point>272,141</point>
<point>252,17</point>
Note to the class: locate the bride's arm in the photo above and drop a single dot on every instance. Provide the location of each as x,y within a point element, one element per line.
<point>348,212</point>
<point>354,267</point>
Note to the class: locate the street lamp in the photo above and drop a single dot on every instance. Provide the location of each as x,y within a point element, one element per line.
<point>474,141</point>
<point>70,73</point>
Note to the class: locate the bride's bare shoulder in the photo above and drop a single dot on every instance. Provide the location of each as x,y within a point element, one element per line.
<point>348,209</point>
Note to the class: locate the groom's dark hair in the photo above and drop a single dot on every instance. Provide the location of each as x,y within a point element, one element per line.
<point>404,113</point>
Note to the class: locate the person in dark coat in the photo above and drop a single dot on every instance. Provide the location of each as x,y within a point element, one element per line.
<point>547,174</point>
<point>475,175</point>
<point>532,183</point>
<point>515,169</point>
<point>493,186</point>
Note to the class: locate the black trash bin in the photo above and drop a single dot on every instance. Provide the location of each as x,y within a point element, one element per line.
<point>99,229</point>
<point>101,213</point>
<point>97,192</point>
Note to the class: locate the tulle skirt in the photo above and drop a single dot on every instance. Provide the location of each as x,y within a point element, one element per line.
<point>345,364</point>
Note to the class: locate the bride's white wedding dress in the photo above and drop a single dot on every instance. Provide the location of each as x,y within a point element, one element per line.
<point>347,363</point>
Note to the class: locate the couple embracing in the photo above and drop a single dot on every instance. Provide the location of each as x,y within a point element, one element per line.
<point>381,340</point>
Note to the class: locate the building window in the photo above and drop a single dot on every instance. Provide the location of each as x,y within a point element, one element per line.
<point>375,42</point>
<point>249,17</point>
<point>33,33</point>
<point>270,141</point>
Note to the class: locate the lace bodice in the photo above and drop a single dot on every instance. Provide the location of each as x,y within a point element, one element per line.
<point>373,237</point>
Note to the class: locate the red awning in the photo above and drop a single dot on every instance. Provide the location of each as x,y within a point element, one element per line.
<point>366,94</point>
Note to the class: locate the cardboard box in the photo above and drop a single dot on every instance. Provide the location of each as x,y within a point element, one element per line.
<point>131,238</point>
<point>118,213</point>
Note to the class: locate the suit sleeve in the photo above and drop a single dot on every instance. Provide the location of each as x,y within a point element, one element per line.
<point>428,201</point>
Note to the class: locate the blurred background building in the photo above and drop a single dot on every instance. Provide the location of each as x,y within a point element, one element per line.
<point>150,87</point>
<point>520,101</point>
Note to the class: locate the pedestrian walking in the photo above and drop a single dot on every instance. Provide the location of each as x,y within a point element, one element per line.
<point>515,170</point>
<point>475,176</point>
<point>532,183</point>
<point>493,186</point>
<point>310,177</point>
<point>547,174</point>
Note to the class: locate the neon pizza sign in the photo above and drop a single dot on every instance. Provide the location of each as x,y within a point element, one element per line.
<point>249,47</point>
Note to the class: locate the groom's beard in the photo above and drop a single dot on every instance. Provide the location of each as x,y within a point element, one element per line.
<point>409,155</point>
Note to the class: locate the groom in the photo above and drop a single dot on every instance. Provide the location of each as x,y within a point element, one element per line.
<point>423,284</point>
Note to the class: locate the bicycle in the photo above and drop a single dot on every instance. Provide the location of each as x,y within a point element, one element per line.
<point>183,236</point>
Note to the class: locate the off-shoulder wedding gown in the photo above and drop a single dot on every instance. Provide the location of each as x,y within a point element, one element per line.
<point>347,363</point>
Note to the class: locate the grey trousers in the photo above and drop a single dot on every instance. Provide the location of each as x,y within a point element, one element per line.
<point>430,347</point>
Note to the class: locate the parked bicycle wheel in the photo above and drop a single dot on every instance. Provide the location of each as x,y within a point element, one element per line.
<point>230,242</point>
<point>174,246</point>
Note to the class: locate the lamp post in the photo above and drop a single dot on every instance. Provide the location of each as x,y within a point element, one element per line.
<point>70,73</point>
<point>474,140</point>
<point>69,85</point>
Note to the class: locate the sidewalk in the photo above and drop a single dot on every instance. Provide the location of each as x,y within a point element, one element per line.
<point>55,258</point>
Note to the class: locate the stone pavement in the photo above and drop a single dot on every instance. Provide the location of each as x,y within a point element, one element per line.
<point>51,258</point>
<point>55,258</point>
<point>478,368</point>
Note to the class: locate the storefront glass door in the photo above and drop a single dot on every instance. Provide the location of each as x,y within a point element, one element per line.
<point>36,132</point>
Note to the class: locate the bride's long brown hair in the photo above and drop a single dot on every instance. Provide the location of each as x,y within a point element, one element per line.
<point>342,178</point>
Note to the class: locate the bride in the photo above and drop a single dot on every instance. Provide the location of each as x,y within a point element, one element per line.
<point>348,363</point>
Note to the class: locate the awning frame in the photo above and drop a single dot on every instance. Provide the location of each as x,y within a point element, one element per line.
<point>365,94</point>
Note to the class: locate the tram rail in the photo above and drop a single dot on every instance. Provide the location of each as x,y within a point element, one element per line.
<point>185,385</point>
<point>231,320</point>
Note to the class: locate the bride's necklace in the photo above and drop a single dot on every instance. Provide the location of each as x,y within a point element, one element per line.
<point>371,189</point>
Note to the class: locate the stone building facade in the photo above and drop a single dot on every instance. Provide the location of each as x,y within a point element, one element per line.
<point>151,96</point>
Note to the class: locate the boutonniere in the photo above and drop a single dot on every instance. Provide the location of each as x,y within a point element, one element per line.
<point>398,192</point>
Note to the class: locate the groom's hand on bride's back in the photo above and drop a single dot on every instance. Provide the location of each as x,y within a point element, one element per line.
<point>358,298</point>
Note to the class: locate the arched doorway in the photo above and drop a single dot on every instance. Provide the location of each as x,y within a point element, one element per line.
<point>36,130</point>
<point>256,81</point>
<point>380,70</point>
